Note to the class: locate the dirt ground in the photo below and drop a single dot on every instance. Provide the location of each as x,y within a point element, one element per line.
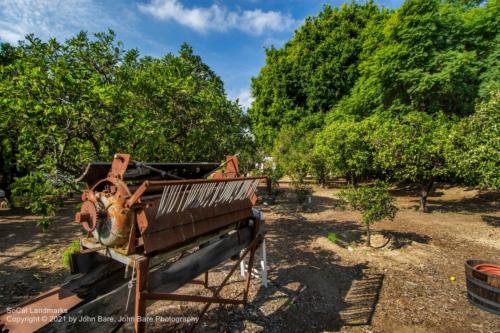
<point>315,285</point>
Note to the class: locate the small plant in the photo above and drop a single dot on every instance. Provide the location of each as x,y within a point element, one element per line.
<point>42,193</point>
<point>302,191</point>
<point>332,237</point>
<point>73,248</point>
<point>375,204</point>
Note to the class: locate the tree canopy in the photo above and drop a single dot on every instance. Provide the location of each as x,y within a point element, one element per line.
<point>313,71</point>
<point>404,95</point>
<point>64,104</point>
<point>358,92</point>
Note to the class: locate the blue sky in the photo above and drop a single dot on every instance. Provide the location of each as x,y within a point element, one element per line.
<point>229,35</point>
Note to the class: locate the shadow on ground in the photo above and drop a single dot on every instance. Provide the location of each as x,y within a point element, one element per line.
<point>485,202</point>
<point>285,201</point>
<point>310,282</point>
<point>491,220</point>
<point>30,258</point>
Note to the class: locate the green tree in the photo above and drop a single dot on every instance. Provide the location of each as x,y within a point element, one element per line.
<point>425,61</point>
<point>313,71</point>
<point>178,110</point>
<point>490,78</point>
<point>412,148</point>
<point>64,105</point>
<point>474,148</point>
<point>318,167</point>
<point>57,102</point>
<point>374,202</point>
<point>482,34</point>
<point>344,146</point>
<point>291,152</point>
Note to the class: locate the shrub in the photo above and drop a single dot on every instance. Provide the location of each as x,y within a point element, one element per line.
<point>302,191</point>
<point>375,204</point>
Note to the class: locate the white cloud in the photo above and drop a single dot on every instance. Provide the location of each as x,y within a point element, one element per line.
<point>218,18</point>
<point>51,18</point>
<point>244,98</point>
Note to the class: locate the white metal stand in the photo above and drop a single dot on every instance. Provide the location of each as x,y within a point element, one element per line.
<point>263,265</point>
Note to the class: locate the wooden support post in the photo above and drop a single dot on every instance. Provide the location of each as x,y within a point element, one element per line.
<point>206,279</point>
<point>141,286</point>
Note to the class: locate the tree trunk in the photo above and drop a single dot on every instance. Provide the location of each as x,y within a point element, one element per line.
<point>368,235</point>
<point>322,182</point>
<point>426,189</point>
<point>353,180</point>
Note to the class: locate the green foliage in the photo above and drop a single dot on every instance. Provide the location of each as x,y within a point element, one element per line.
<point>345,148</point>
<point>374,202</point>
<point>73,248</point>
<point>412,148</point>
<point>64,105</point>
<point>332,237</point>
<point>474,147</point>
<point>313,71</point>
<point>490,78</point>
<point>41,193</point>
<point>423,62</point>
<point>318,167</point>
<point>291,152</point>
<point>274,174</point>
<point>178,110</point>
<point>302,191</point>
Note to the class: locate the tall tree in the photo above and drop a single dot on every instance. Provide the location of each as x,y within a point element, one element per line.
<point>344,145</point>
<point>423,62</point>
<point>412,148</point>
<point>313,71</point>
<point>178,110</point>
<point>474,145</point>
<point>66,104</point>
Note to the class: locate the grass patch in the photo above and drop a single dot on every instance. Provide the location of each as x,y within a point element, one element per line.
<point>332,237</point>
<point>74,247</point>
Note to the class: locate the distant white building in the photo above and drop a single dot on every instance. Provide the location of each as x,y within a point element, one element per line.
<point>266,162</point>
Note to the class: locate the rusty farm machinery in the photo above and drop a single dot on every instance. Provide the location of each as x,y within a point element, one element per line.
<point>151,228</point>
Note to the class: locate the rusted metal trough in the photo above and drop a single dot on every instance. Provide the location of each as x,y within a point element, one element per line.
<point>140,215</point>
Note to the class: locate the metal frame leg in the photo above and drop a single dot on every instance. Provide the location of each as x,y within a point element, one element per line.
<point>142,294</point>
<point>141,286</point>
<point>249,274</point>
<point>242,266</point>
<point>263,263</point>
<point>215,296</point>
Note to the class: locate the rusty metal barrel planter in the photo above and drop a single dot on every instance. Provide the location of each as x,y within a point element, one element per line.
<point>483,290</point>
